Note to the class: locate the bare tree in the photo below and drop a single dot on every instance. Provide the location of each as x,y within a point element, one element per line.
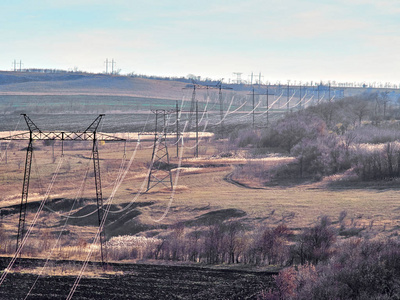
<point>360,108</point>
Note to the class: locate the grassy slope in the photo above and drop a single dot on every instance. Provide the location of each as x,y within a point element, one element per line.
<point>92,84</point>
<point>202,190</point>
<point>297,206</point>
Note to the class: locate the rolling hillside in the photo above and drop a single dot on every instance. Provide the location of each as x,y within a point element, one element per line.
<point>15,83</point>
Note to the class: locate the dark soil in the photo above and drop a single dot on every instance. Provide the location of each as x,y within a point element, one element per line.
<point>140,281</point>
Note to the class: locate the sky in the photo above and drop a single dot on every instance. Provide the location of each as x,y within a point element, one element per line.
<point>296,40</point>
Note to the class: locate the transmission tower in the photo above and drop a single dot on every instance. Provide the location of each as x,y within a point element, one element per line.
<point>113,62</point>
<point>194,105</point>
<point>259,78</point>
<point>107,63</point>
<point>160,171</point>
<point>251,78</point>
<point>15,63</point>
<point>238,77</point>
<point>253,111</point>
<point>90,134</point>
<point>221,104</point>
<point>177,110</point>
<point>268,94</point>
<point>253,94</point>
<point>300,96</point>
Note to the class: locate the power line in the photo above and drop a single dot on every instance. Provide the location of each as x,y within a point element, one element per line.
<point>90,134</point>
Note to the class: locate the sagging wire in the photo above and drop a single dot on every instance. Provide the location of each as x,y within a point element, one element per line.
<point>305,103</point>
<point>99,230</point>
<point>301,100</point>
<point>322,98</point>
<point>171,198</point>
<point>284,105</point>
<point>204,129</point>
<point>25,238</point>
<point>119,175</point>
<point>270,107</point>
<point>227,111</point>
<point>143,183</point>
<point>202,133</point>
<point>78,196</point>
<point>205,110</point>
<point>8,144</point>
<point>250,112</point>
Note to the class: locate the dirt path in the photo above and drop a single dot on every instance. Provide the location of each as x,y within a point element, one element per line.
<point>228,178</point>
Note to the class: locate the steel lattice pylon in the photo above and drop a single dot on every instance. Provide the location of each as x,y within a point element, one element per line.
<point>90,134</point>
<point>160,171</point>
<point>24,198</point>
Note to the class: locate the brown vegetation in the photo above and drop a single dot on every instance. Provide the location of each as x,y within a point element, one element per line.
<point>266,220</point>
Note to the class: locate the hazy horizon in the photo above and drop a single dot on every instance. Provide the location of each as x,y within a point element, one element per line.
<point>305,40</point>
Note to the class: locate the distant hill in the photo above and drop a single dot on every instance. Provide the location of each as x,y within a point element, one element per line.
<point>30,83</point>
<point>75,83</point>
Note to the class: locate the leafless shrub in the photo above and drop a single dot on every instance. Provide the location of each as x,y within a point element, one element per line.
<point>315,243</point>
<point>131,247</point>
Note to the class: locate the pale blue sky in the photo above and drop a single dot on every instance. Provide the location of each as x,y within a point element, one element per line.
<point>343,40</point>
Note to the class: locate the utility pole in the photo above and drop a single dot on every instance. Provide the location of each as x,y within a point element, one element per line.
<point>287,103</point>
<point>238,77</point>
<point>197,128</point>
<point>194,106</point>
<point>268,105</point>
<point>107,63</point>
<point>254,94</point>
<point>221,109</point>
<point>259,78</point>
<point>221,106</point>
<point>177,129</point>
<point>112,65</point>
<point>329,87</point>
<point>253,107</point>
<point>251,78</point>
<point>300,97</point>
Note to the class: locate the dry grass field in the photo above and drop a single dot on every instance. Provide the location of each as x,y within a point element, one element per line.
<point>203,186</point>
<point>162,231</point>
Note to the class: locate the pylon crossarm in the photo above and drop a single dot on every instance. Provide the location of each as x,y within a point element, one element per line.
<point>63,136</point>
<point>107,137</point>
<point>19,136</point>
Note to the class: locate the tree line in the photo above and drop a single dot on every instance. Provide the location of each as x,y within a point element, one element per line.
<point>357,133</point>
